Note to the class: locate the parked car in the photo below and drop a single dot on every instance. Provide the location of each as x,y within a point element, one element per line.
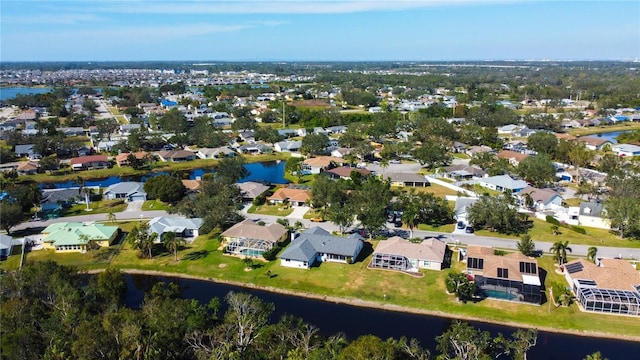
<point>460,225</point>
<point>317,219</point>
<point>469,230</point>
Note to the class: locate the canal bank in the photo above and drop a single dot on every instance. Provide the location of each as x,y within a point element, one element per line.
<point>375,305</point>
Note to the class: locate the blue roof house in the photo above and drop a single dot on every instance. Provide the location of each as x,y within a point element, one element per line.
<point>318,245</point>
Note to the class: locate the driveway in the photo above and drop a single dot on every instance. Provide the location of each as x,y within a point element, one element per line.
<point>298,212</point>
<point>134,206</point>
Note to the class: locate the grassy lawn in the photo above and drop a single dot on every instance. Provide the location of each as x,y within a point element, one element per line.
<point>460,156</point>
<point>435,189</point>
<point>155,205</point>
<point>447,228</point>
<point>541,231</point>
<point>572,202</point>
<point>202,258</point>
<point>97,207</point>
<point>275,210</point>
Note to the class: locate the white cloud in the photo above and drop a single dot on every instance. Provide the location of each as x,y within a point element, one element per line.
<point>280,6</point>
<point>56,19</point>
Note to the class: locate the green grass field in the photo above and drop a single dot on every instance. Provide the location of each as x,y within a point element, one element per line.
<point>155,205</point>
<point>203,259</point>
<point>275,210</point>
<point>97,207</point>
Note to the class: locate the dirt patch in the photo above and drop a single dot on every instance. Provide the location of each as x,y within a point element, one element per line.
<point>310,103</point>
<point>222,266</point>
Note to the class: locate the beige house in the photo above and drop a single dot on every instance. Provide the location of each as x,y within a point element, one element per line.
<point>247,238</point>
<point>399,254</point>
<point>296,197</point>
<point>591,214</point>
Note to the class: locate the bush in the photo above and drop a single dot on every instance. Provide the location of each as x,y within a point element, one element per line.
<point>578,229</point>
<point>271,254</point>
<point>260,200</point>
<point>550,219</point>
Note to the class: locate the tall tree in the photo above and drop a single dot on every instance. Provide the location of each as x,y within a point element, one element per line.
<point>369,203</point>
<point>537,169</point>
<point>559,250</point>
<point>246,315</point>
<point>142,239</point>
<point>314,144</point>
<point>592,252</point>
<point>172,243</point>
<point>525,245</point>
<point>10,215</point>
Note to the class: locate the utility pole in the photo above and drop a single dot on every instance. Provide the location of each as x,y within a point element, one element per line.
<point>284,125</point>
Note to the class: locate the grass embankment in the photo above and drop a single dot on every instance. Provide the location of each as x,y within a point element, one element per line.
<point>355,283</point>
<point>625,126</point>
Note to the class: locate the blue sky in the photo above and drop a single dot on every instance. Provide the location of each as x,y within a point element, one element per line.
<point>348,30</point>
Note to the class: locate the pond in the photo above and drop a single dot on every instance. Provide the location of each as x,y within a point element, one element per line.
<point>611,135</point>
<point>271,172</point>
<point>354,321</point>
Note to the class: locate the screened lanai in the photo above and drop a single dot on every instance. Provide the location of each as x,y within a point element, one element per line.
<point>527,291</point>
<point>391,262</point>
<point>609,301</point>
<point>248,246</point>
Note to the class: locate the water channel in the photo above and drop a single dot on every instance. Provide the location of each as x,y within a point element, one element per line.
<point>354,321</point>
<point>271,172</point>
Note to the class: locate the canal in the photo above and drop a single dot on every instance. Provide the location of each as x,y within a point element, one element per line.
<point>354,321</point>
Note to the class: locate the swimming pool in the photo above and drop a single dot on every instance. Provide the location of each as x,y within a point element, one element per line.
<point>497,294</point>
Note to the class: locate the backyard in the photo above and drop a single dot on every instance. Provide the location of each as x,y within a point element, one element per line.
<point>352,282</point>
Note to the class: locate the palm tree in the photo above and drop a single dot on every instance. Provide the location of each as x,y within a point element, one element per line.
<point>528,200</point>
<point>172,243</point>
<point>83,190</point>
<point>410,217</point>
<point>140,238</point>
<point>111,217</point>
<point>560,249</point>
<point>591,253</point>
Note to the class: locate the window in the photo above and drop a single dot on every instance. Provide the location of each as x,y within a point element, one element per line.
<point>528,268</point>
<point>503,273</point>
<point>475,263</point>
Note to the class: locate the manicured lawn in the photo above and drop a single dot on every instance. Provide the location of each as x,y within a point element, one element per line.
<point>202,258</point>
<point>572,202</point>
<point>435,189</point>
<point>155,205</point>
<point>442,228</point>
<point>541,231</point>
<point>275,210</point>
<point>97,207</point>
<point>609,128</point>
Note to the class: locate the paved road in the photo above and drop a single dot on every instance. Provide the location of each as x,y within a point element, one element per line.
<point>470,239</point>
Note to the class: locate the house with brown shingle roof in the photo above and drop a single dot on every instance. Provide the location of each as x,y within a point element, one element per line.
<point>399,254</point>
<point>123,159</point>
<point>27,168</point>
<point>513,157</point>
<point>89,162</point>
<point>344,172</point>
<point>512,277</point>
<point>316,165</point>
<point>612,286</point>
<point>564,136</point>
<point>247,238</point>
<point>543,199</point>
<point>594,143</point>
<point>192,185</point>
<point>295,196</point>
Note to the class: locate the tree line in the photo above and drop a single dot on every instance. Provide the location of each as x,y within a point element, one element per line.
<point>52,311</point>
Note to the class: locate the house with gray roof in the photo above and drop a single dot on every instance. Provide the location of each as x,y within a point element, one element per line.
<point>188,229</point>
<point>318,245</point>
<point>250,190</point>
<point>461,208</point>
<point>128,190</point>
<point>287,146</point>
<point>400,254</point>
<point>543,199</point>
<point>463,172</point>
<point>591,215</point>
<point>407,179</point>
<point>503,183</point>
<point>24,150</point>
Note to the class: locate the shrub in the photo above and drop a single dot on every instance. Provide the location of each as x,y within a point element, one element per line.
<point>578,229</point>
<point>550,219</point>
<point>499,252</point>
<point>260,200</point>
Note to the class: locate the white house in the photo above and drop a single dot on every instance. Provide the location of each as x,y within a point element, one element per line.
<point>316,244</point>
<point>543,199</point>
<point>503,183</point>
<point>399,254</point>
<point>188,229</point>
<point>626,149</point>
<point>287,146</point>
<point>128,190</point>
<point>590,215</point>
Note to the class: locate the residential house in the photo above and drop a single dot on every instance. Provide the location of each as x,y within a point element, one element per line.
<point>89,162</point>
<point>187,229</point>
<point>27,168</point>
<point>478,149</point>
<point>503,183</point>
<point>333,130</point>
<point>294,195</point>
<point>176,155</point>
<point>543,199</point>
<point>463,172</point>
<point>513,157</point>
<point>247,135</point>
<point>250,190</point>
<point>123,158</point>
<point>292,132</point>
<point>626,149</point>
<point>248,238</point>
<point>24,150</point>
<point>344,172</point>
<point>399,254</point>
<point>193,186</point>
<point>6,246</point>
<point>318,245</point>
<point>287,146</point>
<point>254,149</point>
<point>341,152</point>
<point>591,215</point>
<point>513,277</point>
<point>215,153</point>
<point>76,236</point>
<point>611,286</point>
<point>316,165</point>
<point>507,130</point>
<point>594,143</point>
<point>461,208</point>
<point>128,191</point>
<point>407,179</point>
<point>126,129</point>
<point>564,136</point>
